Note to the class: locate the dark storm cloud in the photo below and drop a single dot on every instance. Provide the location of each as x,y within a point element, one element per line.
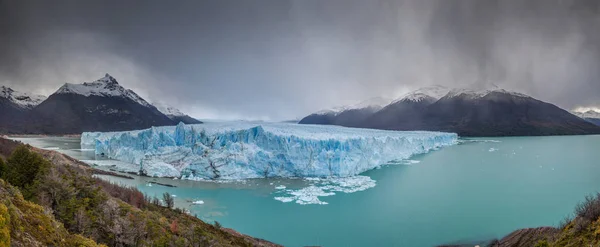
<point>283,59</point>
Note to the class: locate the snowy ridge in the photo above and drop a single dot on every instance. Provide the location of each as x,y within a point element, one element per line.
<point>426,93</point>
<point>168,110</point>
<point>587,114</point>
<point>23,100</point>
<point>240,150</point>
<point>373,104</point>
<point>106,86</point>
<point>475,94</point>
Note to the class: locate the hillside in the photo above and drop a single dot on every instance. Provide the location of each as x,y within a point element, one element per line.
<point>60,192</point>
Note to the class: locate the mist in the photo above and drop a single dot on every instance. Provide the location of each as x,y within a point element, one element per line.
<point>278,60</point>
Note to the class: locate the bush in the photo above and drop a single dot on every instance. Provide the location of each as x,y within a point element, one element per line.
<point>4,225</point>
<point>542,243</point>
<point>24,168</point>
<point>590,208</point>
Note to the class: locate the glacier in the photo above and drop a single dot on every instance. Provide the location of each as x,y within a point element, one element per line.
<point>241,150</point>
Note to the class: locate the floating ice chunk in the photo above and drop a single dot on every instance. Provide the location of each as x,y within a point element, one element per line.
<point>280,187</point>
<point>493,150</point>
<point>199,202</point>
<point>284,199</point>
<point>323,187</point>
<point>410,162</point>
<point>239,150</point>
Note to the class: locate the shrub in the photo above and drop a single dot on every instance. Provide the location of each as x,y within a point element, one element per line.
<point>218,225</point>
<point>589,209</point>
<point>4,226</point>
<point>542,243</point>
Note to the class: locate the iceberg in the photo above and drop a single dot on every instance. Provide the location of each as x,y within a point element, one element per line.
<point>241,150</point>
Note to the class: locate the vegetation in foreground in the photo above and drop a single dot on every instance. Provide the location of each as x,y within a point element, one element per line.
<point>45,202</point>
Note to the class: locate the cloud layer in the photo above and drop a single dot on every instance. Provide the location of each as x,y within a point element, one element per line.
<point>281,59</point>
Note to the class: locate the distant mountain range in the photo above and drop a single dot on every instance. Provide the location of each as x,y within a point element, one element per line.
<point>101,105</point>
<point>590,116</point>
<point>491,112</point>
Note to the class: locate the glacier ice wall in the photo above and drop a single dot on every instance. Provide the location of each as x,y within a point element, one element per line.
<point>238,150</point>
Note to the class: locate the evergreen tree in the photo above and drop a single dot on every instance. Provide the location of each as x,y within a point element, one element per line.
<point>2,168</point>
<point>25,168</point>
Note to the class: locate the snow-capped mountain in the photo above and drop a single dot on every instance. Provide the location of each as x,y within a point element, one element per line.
<point>468,112</point>
<point>432,93</point>
<point>20,99</point>
<point>475,94</point>
<point>101,105</point>
<point>349,115</point>
<point>590,116</point>
<point>372,104</point>
<point>175,114</point>
<point>106,86</point>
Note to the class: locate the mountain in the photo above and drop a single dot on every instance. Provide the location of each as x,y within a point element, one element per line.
<point>101,105</point>
<point>175,114</point>
<point>490,112</point>
<point>590,116</point>
<point>498,112</point>
<point>350,116</point>
<point>21,100</point>
<point>14,105</point>
<point>405,112</point>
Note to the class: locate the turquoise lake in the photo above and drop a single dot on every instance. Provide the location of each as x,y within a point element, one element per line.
<point>481,189</point>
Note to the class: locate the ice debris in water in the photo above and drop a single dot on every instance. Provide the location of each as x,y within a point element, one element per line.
<point>493,150</point>
<point>322,187</point>
<point>240,150</point>
<point>199,202</point>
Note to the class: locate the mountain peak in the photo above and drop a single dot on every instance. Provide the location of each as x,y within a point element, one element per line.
<point>108,79</point>
<point>475,94</point>
<point>23,100</point>
<point>374,104</point>
<point>106,86</point>
<point>425,93</point>
<point>587,114</point>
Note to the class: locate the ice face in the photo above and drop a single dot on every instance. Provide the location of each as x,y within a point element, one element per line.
<point>240,150</point>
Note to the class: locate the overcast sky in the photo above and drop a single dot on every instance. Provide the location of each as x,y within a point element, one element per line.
<point>280,59</point>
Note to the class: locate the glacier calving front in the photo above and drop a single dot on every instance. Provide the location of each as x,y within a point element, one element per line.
<point>239,150</point>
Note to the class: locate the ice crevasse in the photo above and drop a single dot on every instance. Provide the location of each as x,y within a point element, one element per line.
<point>239,150</point>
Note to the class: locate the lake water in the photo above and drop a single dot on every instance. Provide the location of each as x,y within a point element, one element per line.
<point>480,189</point>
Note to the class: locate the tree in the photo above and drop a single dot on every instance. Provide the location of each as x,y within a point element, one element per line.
<point>217,225</point>
<point>24,168</point>
<point>2,168</point>
<point>169,201</point>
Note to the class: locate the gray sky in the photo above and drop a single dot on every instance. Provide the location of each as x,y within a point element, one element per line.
<point>281,59</point>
